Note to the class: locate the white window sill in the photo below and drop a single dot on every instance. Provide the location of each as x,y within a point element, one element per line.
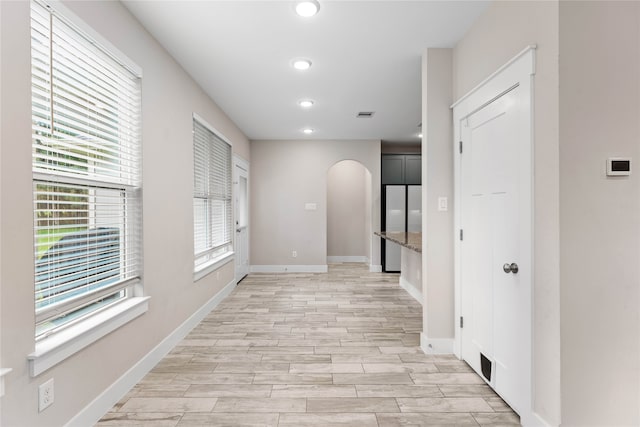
<point>3,372</point>
<point>213,265</point>
<point>56,348</point>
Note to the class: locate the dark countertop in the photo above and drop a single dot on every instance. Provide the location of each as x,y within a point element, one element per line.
<point>411,241</point>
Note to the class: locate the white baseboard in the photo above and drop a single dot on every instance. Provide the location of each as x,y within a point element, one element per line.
<point>375,268</point>
<point>534,420</point>
<point>436,345</point>
<point>335,259</point>
<point>104,402</point>
<point>289,268</point>
<point>411,290</point>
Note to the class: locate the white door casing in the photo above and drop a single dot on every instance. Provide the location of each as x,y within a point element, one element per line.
<point>241,216</point>
<point>493,208</point>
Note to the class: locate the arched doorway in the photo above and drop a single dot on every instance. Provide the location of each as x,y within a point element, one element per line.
<point>349,213</point>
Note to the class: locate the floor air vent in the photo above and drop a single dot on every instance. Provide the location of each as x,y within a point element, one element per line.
<point>485,367</point>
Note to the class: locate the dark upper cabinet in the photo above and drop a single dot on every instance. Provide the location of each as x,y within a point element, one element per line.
<point>401,169</point>
<point>413,170</point>
<point>393,169</point>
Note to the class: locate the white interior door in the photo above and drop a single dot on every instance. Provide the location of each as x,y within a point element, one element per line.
<point>395,220</point>
<point>241,204</point>
<point>495,252</point>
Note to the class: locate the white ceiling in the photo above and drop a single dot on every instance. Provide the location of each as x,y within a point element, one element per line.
<point>366,57</point>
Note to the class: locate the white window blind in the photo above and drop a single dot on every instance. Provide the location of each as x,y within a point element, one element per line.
<point>212,215</point>
<point>86,172</point>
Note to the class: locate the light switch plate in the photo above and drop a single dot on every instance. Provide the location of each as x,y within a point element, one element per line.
<point>443,204</point>
<point>310,207</point>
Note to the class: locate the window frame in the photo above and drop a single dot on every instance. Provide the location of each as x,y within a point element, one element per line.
<point>204,268</point>
<point>57,344</point>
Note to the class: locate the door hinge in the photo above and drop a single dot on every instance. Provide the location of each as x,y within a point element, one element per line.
<point>460,147</point>
<point>461,322</point>
<point>461,234</point>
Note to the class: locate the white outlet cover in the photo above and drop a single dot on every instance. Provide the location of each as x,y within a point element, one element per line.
<point>45,395</point>
<point>310,206</point>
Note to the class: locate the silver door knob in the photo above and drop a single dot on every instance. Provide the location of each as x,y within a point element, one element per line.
<point>510,268</point>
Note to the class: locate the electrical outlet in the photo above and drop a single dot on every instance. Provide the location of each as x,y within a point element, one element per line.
<point>45,395</point>
<point>294,254</point>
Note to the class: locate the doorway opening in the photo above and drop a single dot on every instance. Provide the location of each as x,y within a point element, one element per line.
<point>241,210</point>
<point>349,213</point>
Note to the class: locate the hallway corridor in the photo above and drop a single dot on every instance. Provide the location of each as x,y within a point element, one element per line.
<point>339,348</point>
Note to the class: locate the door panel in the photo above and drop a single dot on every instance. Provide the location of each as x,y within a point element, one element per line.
<point>492,300</point>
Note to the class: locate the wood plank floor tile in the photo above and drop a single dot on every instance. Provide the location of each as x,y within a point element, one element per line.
<point>241,419</point>
<point>223,390</point>
<point>446,404</point>
<point>290,390</point>
<point>139,419</point>
<point>276,404</point>
<point>320,420</point>
<point>425,419</point>
<point>346,404</point>
<point>164,404</point>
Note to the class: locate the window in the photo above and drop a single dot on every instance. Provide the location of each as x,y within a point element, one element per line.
<point>212,223</point>
<point>86,173</point>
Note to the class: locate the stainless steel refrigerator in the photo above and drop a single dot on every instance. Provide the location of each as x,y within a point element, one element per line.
<point>402,212</point>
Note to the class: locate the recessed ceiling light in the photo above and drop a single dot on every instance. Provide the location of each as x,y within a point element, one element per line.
<point>307,131</point>
<point>305,103</point>
<point>301,64</point>
<point>307,8</point>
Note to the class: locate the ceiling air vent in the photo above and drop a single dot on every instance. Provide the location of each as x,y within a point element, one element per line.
<point>365,114</point>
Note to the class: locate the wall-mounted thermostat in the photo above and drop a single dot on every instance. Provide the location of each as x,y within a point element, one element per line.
<point>618,166</point>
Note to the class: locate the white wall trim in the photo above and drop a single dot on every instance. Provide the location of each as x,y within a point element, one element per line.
<point>498,71</point>
<point>289,268</point>
<point>411,290</point>
<point>375,268</point>
<point>63,12</point>
<point>213,265</point>
<point>105,401</point>
<point>436,345</point>
<point>54,349</point>
<point>357,258</point>
<point>3,372</point>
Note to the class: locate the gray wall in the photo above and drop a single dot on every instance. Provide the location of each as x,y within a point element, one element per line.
<point>437,181</point>
<point>169,97</point>
<point>505,29</point>
<point>599,216</point>
<point>285,175</point>
<point>347,227</point>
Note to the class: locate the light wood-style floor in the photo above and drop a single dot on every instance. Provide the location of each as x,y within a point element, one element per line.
<point>340,348</point>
